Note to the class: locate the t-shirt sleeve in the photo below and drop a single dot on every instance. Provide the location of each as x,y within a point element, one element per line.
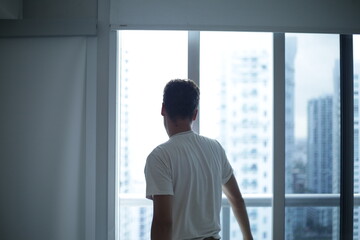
<point>158,177</point>
<point>227,170</point>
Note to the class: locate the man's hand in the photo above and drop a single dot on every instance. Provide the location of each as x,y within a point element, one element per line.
<point>161,228</point>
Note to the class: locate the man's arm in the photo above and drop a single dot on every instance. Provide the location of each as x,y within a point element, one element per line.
<point>161,228</point>
<point>232,192</point>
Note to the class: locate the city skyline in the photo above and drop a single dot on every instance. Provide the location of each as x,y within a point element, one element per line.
<point>244,168</point>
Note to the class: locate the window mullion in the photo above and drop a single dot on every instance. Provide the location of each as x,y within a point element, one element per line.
<point>278,205</point>
<point>111,171</point>
<point>347,138</point>
<point>194,64</point>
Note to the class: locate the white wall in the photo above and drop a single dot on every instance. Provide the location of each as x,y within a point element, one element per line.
<point>10,9</point>
<point>59,9</point>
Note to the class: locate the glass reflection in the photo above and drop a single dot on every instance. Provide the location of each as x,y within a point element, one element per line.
<point>310,218</point>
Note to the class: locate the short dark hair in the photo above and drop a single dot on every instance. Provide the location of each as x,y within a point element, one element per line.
<point>181,98</point>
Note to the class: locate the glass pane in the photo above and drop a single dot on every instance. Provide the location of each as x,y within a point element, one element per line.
<point>262,230</point>
<point>312,128</point>
<point>147,61</point>
<point>356,222</point>
<point>308,218</point>
<point>135,222</point>
<point>356,49</point>
<point>236,77</point>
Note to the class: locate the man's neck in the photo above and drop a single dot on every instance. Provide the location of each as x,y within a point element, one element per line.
<point>178,126</point>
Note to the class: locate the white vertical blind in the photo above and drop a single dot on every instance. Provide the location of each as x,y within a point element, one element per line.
<point>42,138</point>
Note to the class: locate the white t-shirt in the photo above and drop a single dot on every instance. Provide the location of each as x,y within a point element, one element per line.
<point>192,168</point>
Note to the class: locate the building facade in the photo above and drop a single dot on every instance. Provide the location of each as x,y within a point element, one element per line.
<point>246,128</point>
<point>319,162</point>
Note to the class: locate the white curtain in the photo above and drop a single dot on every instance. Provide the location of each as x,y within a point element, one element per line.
<point>42,138</point>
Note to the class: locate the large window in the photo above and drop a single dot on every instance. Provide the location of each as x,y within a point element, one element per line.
<point>236,78</point>
<point>147,60</point>
<point>312,132</point>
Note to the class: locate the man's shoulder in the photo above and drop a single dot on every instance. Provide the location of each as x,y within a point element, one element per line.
<point>160,149</point>
<point>191,138</point>
<point>174,144</point>
<point>209,140</point>
<point>156,156</point>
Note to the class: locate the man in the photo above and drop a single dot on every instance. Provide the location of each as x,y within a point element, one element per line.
<point>185,176</point>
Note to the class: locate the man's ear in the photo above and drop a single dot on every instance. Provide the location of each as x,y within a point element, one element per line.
<point>195,114</point>
<point>163,110</point>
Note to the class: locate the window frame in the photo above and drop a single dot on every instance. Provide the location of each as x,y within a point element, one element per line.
<point>278,200</point>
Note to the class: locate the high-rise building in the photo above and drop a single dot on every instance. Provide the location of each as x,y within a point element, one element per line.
<point>336,150</point>
<point>123,152</point>
<point>320,161</point>
<point>290,54</point>
<point>296,216</point>
<point>134,221</point>
<point>246,128</point>
<point>320,125</point>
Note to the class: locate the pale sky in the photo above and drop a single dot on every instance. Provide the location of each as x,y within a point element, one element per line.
<point>314,73</point>
<point>357,47</point>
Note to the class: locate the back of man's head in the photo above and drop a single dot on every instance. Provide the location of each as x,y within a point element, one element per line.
<point>181,98</point>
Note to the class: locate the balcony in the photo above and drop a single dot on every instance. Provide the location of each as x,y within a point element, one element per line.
<point>252,200</point>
